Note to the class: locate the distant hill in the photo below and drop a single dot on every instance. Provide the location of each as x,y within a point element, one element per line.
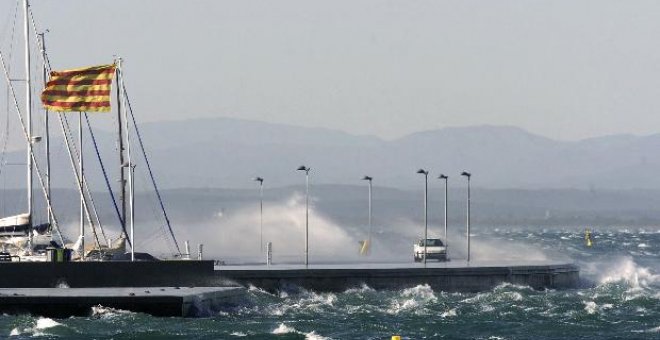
<point>228,153</point>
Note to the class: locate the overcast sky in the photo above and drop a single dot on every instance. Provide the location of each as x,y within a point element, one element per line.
<point>563,69</point>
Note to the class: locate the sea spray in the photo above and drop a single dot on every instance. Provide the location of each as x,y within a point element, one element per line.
<point>235,235</point>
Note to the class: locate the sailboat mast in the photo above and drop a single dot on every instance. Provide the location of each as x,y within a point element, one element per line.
<point>120,140</point>
<point>46,128</point>
<point>28,111</point>
<point>129,162</point>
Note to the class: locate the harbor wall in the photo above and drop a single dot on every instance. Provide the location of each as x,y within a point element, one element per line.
<point>202,273</point>
<point>455,279</point>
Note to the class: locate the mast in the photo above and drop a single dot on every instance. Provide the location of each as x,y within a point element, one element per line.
<point>120,141</point>
<point>128,163</point>
<point>28,111</point>
<point>46,128</point>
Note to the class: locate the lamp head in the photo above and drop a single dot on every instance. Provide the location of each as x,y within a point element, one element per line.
<point>422,171</point>
<point>303,168</point>
<point>259,179</point>
<point>466,174</point>
<point>367,178</point>
<point>443,176</point>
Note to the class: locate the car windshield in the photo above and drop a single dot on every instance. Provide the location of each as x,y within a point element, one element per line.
<point>431,242</point>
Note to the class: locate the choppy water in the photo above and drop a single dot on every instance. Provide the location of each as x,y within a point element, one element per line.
<point>620,299</point>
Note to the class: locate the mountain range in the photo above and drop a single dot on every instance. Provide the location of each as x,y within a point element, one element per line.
<point>228,153</point>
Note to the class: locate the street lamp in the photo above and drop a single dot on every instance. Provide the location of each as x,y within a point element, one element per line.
<point>446,178</point>
<point>468,175</point>
<point>426,210</point>
<point>261,213</point>
<point>306,170</point>
<point>368,178</point>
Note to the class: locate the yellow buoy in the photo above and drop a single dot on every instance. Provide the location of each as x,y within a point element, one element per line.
<point>587,238</point>
<point>396,337</point>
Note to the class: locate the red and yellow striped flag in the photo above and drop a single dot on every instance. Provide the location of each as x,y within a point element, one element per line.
<point>82,89</point>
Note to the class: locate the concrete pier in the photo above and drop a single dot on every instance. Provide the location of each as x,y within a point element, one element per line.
<point>157,301</point>
<point>449,276</point>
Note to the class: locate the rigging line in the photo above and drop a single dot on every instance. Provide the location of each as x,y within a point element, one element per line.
<point>4,29</point>
<point>153,180</point>
<point>91,200</point>
<point>156,214</point>
<point>63,121</point>
<point>105,176</point>
<point>94,212</point>
<point>32,154</point>
<point>11,52</point>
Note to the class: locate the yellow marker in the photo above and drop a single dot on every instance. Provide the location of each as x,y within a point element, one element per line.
<point>364,247</point>
<point>396,337</point>
<point>587,237</point>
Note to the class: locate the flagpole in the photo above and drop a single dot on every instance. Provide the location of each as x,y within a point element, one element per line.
<point>81,180</point>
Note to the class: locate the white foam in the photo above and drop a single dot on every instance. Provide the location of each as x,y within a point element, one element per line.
<point>313,336</point>
<point>650,330</point>
<point>108,312</point>
<point>37,329</point>
<point>252,288</point>
<point>628,271</point>
<point>284,329</point>
<point>654,330</point>
<point>44,323</point>
<point>238,334</point>
<point>449,313</point>
<point>487,308</point>
<point>363,289</point>
<point>423,292</point>
<point>62,284</point>
<point>591,307</point>
<point>413,299</point>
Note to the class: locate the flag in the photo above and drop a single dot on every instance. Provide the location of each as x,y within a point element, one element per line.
<point>82,89</point>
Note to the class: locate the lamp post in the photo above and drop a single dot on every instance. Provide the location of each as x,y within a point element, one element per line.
<point>261,213</point>
<point>446,178</point>
<point>306,170</point>
<point>368,178</point>
<point>467,224</point>
<point>426,210</point>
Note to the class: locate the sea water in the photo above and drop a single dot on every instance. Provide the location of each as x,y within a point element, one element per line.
<point>619,298</point>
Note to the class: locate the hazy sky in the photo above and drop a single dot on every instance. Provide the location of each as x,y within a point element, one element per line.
<point>564,69</point>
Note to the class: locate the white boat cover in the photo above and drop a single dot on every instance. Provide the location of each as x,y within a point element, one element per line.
<point>16,220</point>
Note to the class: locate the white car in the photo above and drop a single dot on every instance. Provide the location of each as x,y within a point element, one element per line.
<point>435,249</point>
